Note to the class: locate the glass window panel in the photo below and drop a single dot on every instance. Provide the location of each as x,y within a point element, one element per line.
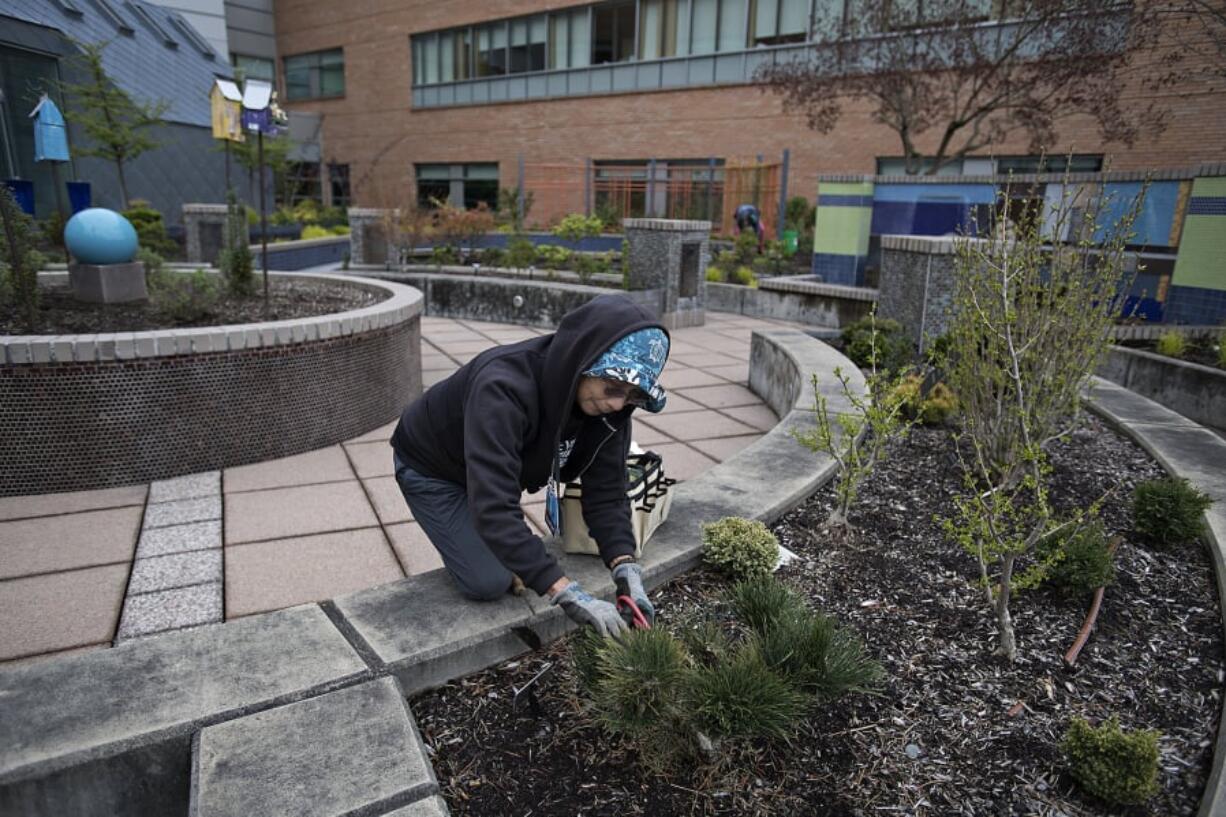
<point>559,40</point>
<point>434,171</point>
<point>481,171</point>
<point>765,20</point>
<point>253,67</point>
<point>463,54</point>
<point>580,39</point>
<point>604,34</point>
<point>625,33</point>
<point>793,17</point>
<point>415,46</point>
<point>519,46</point>
<point>332,74</point>
<point>491,50</point>
<point>447,52</point>
<point>650,24</point>
<point>683,28</point>
<point>431,59</point>
<point>702,38</point>
<point>297,78</point>
<point>732,34</point>
<point>668,34</point>
<point>536,43</point>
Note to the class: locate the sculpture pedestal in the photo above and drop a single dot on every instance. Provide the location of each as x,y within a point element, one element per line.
<point>669,257</point>
<point>108,283</point>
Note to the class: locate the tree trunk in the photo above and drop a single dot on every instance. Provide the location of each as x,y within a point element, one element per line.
<point>1004,621</point>
<point>123,184</point>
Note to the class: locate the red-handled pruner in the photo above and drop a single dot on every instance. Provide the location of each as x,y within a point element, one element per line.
<point>629,610</point>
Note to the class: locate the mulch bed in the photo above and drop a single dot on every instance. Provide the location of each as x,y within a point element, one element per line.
<point>938,739</point>
<point>61,314</point>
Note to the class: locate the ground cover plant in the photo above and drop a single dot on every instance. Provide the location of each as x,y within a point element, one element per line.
<point>954,729</point>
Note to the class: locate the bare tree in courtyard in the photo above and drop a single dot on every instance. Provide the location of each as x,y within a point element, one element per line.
<point>951,84</point>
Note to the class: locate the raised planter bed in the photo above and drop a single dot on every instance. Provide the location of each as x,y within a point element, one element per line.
<point>1196,391</point>
<point>91,411</point>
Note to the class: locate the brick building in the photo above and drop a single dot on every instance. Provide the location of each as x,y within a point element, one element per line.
<point>446,99</point>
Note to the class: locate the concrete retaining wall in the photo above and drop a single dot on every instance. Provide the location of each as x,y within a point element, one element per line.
<point>1195,391</point>
<point>92,411</point>
<point>831,307</point>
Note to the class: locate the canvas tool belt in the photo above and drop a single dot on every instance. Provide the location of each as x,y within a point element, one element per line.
<point>650,494</point>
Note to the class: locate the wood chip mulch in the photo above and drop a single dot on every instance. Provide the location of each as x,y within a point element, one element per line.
<point>940,738</point>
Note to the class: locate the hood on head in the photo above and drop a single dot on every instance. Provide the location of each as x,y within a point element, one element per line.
<point>637,359</point>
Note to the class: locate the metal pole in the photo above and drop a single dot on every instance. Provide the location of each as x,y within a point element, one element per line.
<point>710,184</point>
<point>519,205</point>
<point>650,208</point>
<point>587,186</point>
<point>263,216</point>
<point>783,193</point>
<point>227,164</point>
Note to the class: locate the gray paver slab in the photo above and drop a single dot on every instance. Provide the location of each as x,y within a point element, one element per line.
<point>16,507</point>
<point>698,425</point>
<point>371,459</point>
<point>179,539</point>
<point>306,509</point>
<point>60,610</point>
<point>430,807</point>
<point>180,511</point>
<point>387,499</point>
<point>65,542</point>
<point>186,487</point>
<point>170,610</point>
<point>170,686</point>
<point>678,403</point>
<point>759,416</point>
<point>723,447</point>
<point>413,548</point>
<point>275,762</point>
<point>680,377</point>
<point>1131,407</point>
<point>737,374</point>
<point>727,395</point>
<point>175,570</point>
<point>381,434</point>
<point>428,379</point>
<point>285,572</point>
<point>682,462</point>
<point>322,465</point>
<point>646,436</point>
<point>703,360</point>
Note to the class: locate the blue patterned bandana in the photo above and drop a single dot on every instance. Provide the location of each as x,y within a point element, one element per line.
<point>636,359</point>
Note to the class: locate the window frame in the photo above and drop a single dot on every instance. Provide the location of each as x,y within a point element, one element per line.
<point>314,73</point>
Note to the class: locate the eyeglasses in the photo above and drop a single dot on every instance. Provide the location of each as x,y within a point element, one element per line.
<point>616,390</point>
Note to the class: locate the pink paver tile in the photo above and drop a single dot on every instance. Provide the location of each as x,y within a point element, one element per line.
<point>298,511</point>
<point>721,448</point>
<point>645,435</point>
<point>759,416</point>
<point>683,378</point>
<point>468,346</point>
<point>413,548</point>
<point>428,379</point>
<point>47,656</point>
<point>322,465</point>
<point>286,572</point>
<point>682,462</point>
<point>722,396</point>
<point>737,374</point>
<point>452,336</point>
<point>70,541</point>
<point>17,507</point>
<point>379,435</point>
<point>698,425</point>
<point>371,459</point>
<point>678,403</point>
<point>60,610</point>
<point>389,503</point>
<point>431,363</point>
<point>508,335</point>
<point>464,357</point>
<point>704,360</point>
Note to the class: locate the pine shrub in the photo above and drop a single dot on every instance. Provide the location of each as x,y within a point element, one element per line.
<point>1172,344</point>
<point>183,298</point>
<point>19,261</point>
<point>763,601</point>
<point>893,349</point>
<point>1167,511</point>
<point>1081,561</point>
<point>934,408</point>
<point>150,228</point>
<point>741,696</point>
<point>742,548</point>
<point>521,253</point>
<point>1110,764</point>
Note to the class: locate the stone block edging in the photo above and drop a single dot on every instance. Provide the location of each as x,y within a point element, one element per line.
<point>110,731</point>
<point>805,284</point>
<point>1184,449</point>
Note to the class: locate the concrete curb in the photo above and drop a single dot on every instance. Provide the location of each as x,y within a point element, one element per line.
<point>1188,450</point>
<point>112,732</point>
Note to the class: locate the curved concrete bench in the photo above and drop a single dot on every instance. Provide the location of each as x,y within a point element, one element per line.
<point>115,409</point>
<point>1184,449</point>
<point>111,732</point>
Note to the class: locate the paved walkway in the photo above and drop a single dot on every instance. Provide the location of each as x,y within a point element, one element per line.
<point>81,570</point>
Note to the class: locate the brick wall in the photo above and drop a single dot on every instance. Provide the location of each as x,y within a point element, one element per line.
<point>374,130</point>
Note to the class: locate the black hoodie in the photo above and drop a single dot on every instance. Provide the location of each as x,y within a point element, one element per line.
<point>494,426</point>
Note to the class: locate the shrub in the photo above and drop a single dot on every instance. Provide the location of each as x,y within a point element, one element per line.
<point>891,350</point>
<point>339,229</point>
<point>521,253</point>
<point>1221,352</point>
<point>817,655</point>
<point>236,260</point>
<point>588,264</point>
<point>1172,344</point>
<point>764,601</point>
<point>715,275</point>
<point>743,276</point>
<point>184,298</point>
<point>19,261</point>
<point>577,226</point>
<point>315,231</point>
<point>493,257</point>
<point>1080,562</point>
<point>1167,511</point>
<point>1111,765</point>
<point>154,263</point>
<point>742,548</point>
<point>150,229</point>
<point>706,642</point>
<point>745,249</point>
<point>551,256</point>
<point>740,696</point>
<point>444,254</point>
<point>934,408</point>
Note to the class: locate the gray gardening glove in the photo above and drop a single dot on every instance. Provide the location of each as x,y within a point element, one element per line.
<point>583,609</point>
<point>628,577</point>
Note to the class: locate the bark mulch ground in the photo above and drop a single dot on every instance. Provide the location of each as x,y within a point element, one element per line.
<point>939,739</point>
<point>61,314</point>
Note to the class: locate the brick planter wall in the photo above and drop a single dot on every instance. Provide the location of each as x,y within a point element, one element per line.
<point>92,411</point>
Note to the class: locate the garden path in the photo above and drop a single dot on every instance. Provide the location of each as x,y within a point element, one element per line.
<point>81,570</point>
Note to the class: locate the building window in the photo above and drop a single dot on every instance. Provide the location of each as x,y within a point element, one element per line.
<point>776,22</point>
<point>460,185</point>
<point>338,176</point>
<point>667,188</point>
<point>492,50</point>
<point>253,67</point>
<point>1077,163</point>
<point>613,33</point>
<point>663,28</point>
<point>528,44</point>
<point>315,76</point>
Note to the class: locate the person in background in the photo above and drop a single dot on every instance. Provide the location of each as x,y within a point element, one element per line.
<point>529,415</point>
<point>749,218</point>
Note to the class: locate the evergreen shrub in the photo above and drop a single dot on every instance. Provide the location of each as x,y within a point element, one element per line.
<point>741,548</point>
<point>521,253</point>
<point>1110,764</point>
<point>741,696</point>
<point>763,601</point>
<point>184,298</point>
<point>1167,511</point>
<point>150,228</point>
<point>1172,344</point>
<point>1081,562</point>
<point>894,351</point>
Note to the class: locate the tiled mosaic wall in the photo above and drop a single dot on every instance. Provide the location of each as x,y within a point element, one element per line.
<point>71,426</point>
<point>916,289</point>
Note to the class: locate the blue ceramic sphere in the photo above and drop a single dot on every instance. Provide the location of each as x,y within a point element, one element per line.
<point>100,236</point>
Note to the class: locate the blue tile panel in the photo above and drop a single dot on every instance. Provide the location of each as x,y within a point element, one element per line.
<point>1197,306</point>
<point>1207,206</point>
<point>834,200</point>
<point>928,209</point>
<point>839,269</point>
<point>1153,223</point>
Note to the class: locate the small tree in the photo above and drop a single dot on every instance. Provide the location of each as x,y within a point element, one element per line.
<point>276,159</point>
<point>1030,323</point>
<point>237,261</point>
<point>950,86</point>
<point>117,125</point>
<point>20,260</point>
